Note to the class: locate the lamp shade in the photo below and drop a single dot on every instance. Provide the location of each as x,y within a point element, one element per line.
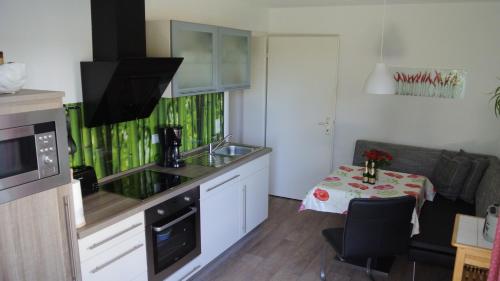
<point>380,81</point>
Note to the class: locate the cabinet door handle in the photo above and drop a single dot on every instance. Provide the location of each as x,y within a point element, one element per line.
<point>95,245</point>
<point>245,208</point>
<point>222,183</point>
<point>189,273</point>
<point>104,265</point>
<point>67,219</point>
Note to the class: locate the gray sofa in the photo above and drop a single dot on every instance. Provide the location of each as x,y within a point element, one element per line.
<point>436,219</point>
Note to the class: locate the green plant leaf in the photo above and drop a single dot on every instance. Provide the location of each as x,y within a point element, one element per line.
<point>497,101</point>
<point>495,97</point>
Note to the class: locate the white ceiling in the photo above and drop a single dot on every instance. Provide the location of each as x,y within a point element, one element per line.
<point>309,3</point>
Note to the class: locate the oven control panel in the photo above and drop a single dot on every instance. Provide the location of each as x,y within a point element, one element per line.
<point>46,150</point>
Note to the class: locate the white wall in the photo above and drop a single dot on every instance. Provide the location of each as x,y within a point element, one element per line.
<point>229,13</point>
<point>248,107</point>
<point>456,35</point>
<point>53,36</point>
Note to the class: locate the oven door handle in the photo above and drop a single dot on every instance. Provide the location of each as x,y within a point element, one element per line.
<point>177,220</point>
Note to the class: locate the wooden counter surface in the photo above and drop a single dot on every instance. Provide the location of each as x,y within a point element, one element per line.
<point>103,209</point>
<point>30,100</point>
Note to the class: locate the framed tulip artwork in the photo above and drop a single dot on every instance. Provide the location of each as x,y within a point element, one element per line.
<point>429,82</point>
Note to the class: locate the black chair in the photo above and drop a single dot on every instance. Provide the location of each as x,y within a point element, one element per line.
<point>375,231</point>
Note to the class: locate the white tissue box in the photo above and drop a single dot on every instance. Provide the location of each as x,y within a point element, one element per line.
<point>12,77</point>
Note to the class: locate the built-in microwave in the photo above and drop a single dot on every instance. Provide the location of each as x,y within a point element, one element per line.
<point>33,153</point>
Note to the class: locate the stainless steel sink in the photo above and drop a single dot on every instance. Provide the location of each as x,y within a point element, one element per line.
<point>205,159</point>
<point>233,150</point>
<point>221,156</point>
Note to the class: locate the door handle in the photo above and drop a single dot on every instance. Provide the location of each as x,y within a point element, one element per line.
<point>165,226</point>
<point>105,240</point>
<point>245,208</point>
<point>69,229</point>
<point>326,123</point>
<point>220,184</point>
<point>120,256</point>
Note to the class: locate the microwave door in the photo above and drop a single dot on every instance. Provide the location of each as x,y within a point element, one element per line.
<point>18,161</point>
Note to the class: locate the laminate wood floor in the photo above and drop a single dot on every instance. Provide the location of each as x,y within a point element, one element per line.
<point>287,247</point>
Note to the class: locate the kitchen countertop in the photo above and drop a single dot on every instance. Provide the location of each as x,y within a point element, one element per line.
<point>103,209</point>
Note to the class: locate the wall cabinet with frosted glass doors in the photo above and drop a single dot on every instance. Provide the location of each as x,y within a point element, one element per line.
<point>234,59</point>
<point>215,58</point>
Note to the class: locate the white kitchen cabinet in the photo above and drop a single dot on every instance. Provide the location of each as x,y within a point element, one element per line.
<point>125,261</point>
<point>220,217</point>
<point>110,236</point>
<point>255,199</point>
<point>117,252</point>
<point>232,205</point>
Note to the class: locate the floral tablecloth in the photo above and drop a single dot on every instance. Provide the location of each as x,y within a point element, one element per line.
<point>335,191</point>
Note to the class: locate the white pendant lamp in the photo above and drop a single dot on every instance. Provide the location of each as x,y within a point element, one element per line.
<point>380,80</point>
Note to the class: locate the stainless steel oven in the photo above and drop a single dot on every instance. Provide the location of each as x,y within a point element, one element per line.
<point>33,153</point>
<point>173,234</point>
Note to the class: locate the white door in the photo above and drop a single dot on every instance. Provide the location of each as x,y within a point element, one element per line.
<point>302,82</point>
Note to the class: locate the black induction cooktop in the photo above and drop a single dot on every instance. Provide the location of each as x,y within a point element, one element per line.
<point>143,184</point>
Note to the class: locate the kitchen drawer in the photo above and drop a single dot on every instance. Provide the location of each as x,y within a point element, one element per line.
<point>125,261</point>
<point>219,183</point>
<point>110,236</point>
<point>234,175</point>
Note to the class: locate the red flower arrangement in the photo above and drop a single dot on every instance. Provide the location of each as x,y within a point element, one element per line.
<point>381,158</point>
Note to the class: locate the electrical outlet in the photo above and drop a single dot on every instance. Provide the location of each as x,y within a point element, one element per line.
<point>155,139</point>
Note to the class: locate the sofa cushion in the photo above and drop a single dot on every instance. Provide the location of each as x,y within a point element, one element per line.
<point>407,159</point>
<point>488,191</point>
<point>450,173</point>
<point>476,172</point>
<point>436,224</point>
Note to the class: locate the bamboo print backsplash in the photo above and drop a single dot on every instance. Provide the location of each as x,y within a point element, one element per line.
<point>118,147</point>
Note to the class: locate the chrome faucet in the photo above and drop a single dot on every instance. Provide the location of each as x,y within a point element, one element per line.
<point>216,144</point>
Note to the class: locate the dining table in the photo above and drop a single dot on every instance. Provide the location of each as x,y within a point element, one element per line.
<point>335,191</point>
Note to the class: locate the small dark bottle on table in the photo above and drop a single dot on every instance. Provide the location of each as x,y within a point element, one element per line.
<point>366,173</point>
<point>372,178</point>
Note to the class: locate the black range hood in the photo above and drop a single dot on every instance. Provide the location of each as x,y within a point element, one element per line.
<point>121,83</point>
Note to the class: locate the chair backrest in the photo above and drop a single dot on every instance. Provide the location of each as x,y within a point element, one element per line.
<point>378,227</point>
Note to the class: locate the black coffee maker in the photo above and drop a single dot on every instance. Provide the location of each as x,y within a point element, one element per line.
<point>170,141</point>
